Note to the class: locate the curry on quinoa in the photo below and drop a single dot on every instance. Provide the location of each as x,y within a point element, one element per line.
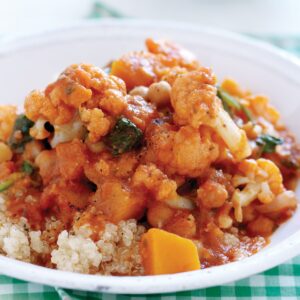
<point>108,171</point>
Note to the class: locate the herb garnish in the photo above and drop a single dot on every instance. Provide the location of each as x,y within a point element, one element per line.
<point>230,103</point>
<point>268,143</point>
<point>22,126</point>
<point>125,136</point>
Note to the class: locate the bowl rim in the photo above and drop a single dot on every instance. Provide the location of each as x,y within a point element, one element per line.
<point>285,250</point>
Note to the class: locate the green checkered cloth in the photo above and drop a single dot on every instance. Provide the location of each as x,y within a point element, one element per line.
<point>282,282</point>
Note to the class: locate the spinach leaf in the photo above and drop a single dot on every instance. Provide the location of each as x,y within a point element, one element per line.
<point>268,143</point>
<point>27,167</point>
<point>22,126</point>
<point>124,137</point>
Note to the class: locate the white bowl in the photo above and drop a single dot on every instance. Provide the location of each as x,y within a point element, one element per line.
<point>28,63</point>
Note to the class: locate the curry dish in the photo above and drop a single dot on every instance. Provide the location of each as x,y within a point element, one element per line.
<point>146,166</point>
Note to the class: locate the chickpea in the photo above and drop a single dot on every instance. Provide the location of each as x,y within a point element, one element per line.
<point>32,150</point>
<point>224,219</point>
<point>140,91</point>
<point>212,194</point>
<point>183,224</point>
<point>261,226</point>
<point>159,93</point>
<point>159,214</point>
<point>5,153</point>
<point>249,214</point>
<point>95,147</point>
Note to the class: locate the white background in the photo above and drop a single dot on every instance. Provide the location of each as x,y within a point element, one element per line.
<point>251,16</point>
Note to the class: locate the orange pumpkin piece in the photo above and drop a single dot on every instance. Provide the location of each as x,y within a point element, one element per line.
<point>71,158</point>
<point>118,202</point>
<point>167,253</point>
<point>136,68</point>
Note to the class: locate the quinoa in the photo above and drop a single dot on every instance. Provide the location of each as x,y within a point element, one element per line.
<point>116,252</point>
<point>75,253</point>
<point>36,243</point>
<point>14,240</point>
<point>119,246</point>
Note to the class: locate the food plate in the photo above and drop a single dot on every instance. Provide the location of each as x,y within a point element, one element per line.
<point>32,62</point>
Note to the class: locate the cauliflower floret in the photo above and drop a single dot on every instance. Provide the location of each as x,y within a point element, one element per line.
<point>263,182</point>
<point>37,105</point>
<point>8,114</point>
<point>162,188</point>
<point>38,131</point>
<point>67,132</point>
<point>283,202</point>
<point>193,151</point>
<point>78,85</point>
<point>155,181</point>
<point>108,91</point>
<point>113,102</point>
<point>96,122</point>
<point>173,73</point>
<point>194,100</point>
<point>187,151</point>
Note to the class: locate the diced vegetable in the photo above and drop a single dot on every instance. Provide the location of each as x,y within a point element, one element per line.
<point>27,167</point>
<point>118,204</point>
<point>230,103</point>
<point>20,135</point>
<point>4,185</point>
<point>268,143</point>
<point>124,137</point>
<point>7,183</point>
<point>167,253</point>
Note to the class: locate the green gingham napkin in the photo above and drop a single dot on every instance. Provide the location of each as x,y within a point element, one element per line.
<point>282,282</point>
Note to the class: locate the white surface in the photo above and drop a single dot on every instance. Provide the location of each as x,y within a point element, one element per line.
<point>31,63</point>
<point>23,16</point>
<point>251,16</point>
